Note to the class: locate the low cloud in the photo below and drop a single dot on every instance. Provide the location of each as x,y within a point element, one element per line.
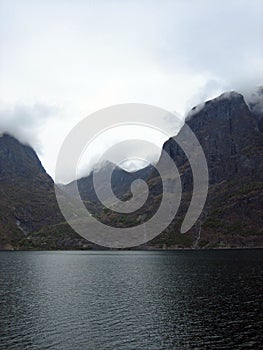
<point>178,55</point>
<point>25,122</point>
<point>211,89</point>
<point>254,99</point>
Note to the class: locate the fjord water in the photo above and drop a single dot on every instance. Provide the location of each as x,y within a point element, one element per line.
<point>131,300</point>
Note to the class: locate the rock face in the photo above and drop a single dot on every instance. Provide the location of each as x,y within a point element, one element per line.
<point>231,134</point>
<point>232,140</point>
<point>29,214</point>
<point>30,217</point>
<point>19,161</point>
<point>27,200</point>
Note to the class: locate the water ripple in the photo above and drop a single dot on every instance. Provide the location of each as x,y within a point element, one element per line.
<point>131,300</point>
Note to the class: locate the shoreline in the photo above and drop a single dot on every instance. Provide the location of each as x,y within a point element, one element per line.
<point>132,250</point>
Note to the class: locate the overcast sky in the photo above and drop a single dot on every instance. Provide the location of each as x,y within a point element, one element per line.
<point>63,59</point>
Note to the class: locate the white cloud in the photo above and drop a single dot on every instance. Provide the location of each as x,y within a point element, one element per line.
<point>25,122</point>
<point>85,55</point>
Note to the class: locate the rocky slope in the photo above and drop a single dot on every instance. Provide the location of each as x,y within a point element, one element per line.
<point>121,181</point>
<point>27,201</point>
<point>231,134</point>
<point>232,140</point>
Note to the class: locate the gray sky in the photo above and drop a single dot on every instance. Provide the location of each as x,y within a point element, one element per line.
<point>63,59</point>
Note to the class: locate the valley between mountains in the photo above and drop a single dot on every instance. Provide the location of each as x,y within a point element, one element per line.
<point>231,133</point>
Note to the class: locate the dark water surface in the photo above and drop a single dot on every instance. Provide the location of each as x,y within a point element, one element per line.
<point>131,300</point>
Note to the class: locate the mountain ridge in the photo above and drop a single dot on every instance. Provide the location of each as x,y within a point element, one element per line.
<point>121,181</point>
<point>228,129</point>
<point>233,144</point>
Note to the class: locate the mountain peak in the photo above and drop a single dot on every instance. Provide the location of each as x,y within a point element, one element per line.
<point>222,105</point>
<point>17,159</point>
<point>230,95</point>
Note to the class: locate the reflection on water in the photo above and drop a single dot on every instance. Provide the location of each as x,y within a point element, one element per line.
<point>131,300</point>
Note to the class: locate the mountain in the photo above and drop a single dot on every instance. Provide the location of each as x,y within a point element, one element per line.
<point>230,132</point>
<point>232,139</point>
<point>121,181</point>
<point>28,203</point>
<point>26,191</point>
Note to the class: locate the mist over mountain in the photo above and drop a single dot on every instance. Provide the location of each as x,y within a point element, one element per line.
<point>255,103</point>
<point>27,200</point>
<point>231,136</point>
<point>25,121</point>
<point>232,139</point>
<point>121,181</point>
<point>230,132</point>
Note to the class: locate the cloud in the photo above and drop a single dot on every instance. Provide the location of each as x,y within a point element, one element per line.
<point>84,55</point>
<point>25,122</point>
<point>209,90</point>
<point>133,154</point>
<point>254,99</point>
<point>217,43</point>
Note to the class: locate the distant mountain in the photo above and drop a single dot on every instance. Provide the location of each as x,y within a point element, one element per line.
<point>121,181</point>
<point>29,214</point>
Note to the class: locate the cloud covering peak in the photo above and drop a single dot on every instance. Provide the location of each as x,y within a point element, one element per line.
<point>25,122</point>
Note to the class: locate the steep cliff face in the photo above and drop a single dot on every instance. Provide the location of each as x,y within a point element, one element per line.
<point>27,199</point>
<point>232,141</point>
<point>19,161</point>
<point>230,133</point>
<point>30,217</point>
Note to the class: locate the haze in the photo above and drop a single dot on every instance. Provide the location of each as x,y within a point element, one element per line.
<point>62,60</point>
